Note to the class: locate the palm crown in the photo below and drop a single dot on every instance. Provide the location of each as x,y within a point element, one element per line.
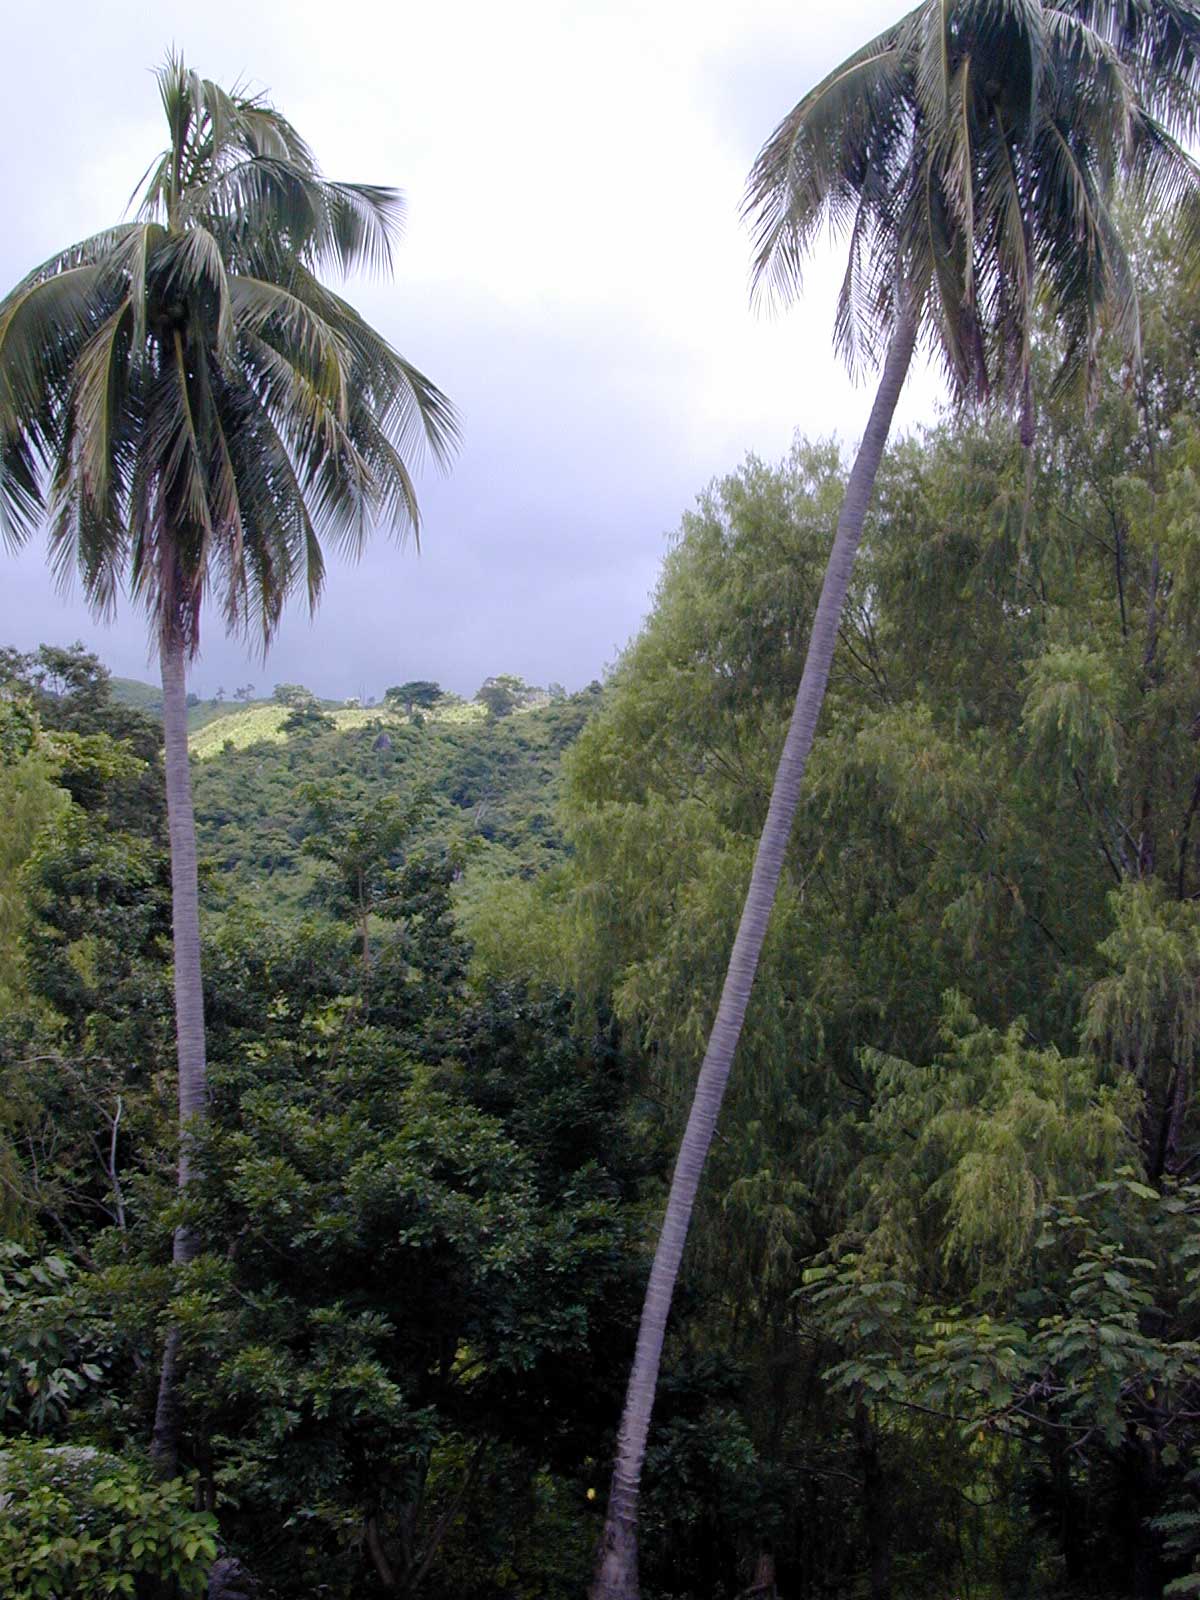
<point>186,402</point>
<point>972,153</point>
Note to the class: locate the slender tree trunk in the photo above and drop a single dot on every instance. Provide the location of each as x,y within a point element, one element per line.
<point>364,932</point>
<point>616,1574</point>
<point>189,1003</point>
<point>876,1505</point>
<point>383,1566</point>
<point>763,1586</point>
<point>1176,1115</point>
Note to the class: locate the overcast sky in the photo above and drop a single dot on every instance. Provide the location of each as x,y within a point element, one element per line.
<point>574,275</point>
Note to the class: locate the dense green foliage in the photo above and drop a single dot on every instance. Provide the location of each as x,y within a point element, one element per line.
<point>414,1282</point>
<point>940,1320</point>
<point>952,1218</point>
<point>488,786</point>
<point>130,1536</point>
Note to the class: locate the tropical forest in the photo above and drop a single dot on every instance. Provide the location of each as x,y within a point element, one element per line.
<point>729,1131</point>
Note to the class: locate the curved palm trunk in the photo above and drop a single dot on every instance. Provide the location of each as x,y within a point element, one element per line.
<point>189,1001</point>
<point>616,1575</point>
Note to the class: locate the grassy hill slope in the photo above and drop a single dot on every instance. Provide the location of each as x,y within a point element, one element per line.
<point>238,727</point>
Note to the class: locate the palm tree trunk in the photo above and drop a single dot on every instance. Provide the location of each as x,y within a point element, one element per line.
<point>616,1574</point>
<point>189,1002</point>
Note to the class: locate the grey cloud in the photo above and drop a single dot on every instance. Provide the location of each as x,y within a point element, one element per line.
<point>590,422</point>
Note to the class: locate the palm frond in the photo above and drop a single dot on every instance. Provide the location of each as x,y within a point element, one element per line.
<point>86,526</point>
<point>846,142</point>
<point>412,410</point>
<point>82,547</point>
<point>1158,43</point>
<point>1079,56</point>
<point>1013,268</point>
<point>364,223</point>
<point>89,252</point>
<point>98,401</point>
<point>282,544</point>
<point>864,300</point>
<point>230,547</point>
<point>257,199</point>
<point>935,65</point>
<point>192,273</point>
<point>277,484</point>
<point>299,411</point>
<point>1165,181</point>
<point>44,323</point>
<point>298,332</point>
<point>930,273</point>
<point>393,500</point>
<point>22,504</point>
<point>171,441</point>
<point>264,131</point>
<point>957,165</point>
<point>130,260</point>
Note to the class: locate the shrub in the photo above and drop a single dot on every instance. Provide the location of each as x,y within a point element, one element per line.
<point>81,1525</point>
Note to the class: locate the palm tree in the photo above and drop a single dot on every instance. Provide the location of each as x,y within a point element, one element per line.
<point>191,411</point>
<point>971,154</point>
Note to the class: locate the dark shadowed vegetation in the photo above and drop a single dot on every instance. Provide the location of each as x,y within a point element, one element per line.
<point>938,1322</point>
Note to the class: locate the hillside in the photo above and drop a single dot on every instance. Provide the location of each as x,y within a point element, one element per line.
<point>133,692</point>
<point>485,785</point>
<point>213,729</point>
<point>147,697</point>
<point>488,789</point>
